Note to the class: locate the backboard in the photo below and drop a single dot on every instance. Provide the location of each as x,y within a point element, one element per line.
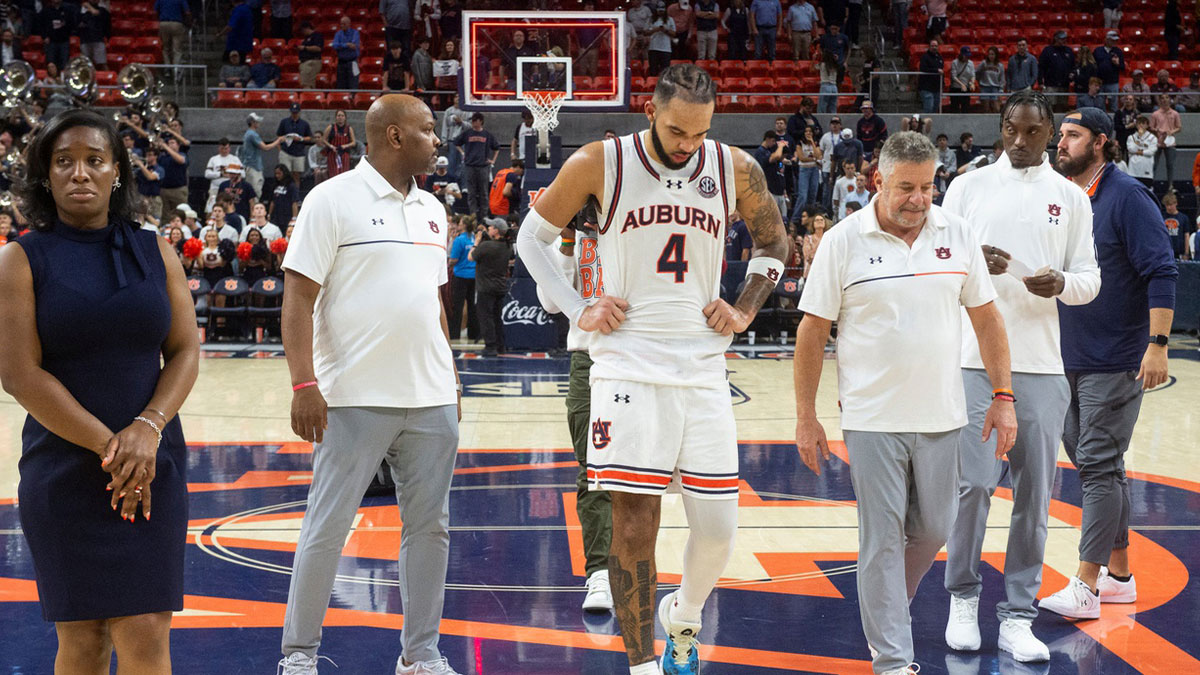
<point>579,53</point>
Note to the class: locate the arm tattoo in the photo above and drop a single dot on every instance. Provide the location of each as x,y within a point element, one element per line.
<point>765,223</point>
<point>633,599</point>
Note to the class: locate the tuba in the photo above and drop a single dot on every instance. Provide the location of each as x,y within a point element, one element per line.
<point>6,199</point>
<point>80,79</point>
<point>16,81</point>
<point>137,83</point>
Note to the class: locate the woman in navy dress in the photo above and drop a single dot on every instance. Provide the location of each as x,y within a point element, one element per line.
<point>89,304</point>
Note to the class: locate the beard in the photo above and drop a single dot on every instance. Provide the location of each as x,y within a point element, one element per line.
<point>663,156</point>
<point>1073,166</point>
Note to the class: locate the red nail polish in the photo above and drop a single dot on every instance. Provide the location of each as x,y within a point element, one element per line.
<point>108,487</point>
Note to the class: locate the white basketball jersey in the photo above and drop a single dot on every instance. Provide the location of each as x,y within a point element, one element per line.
<point>662,241</point>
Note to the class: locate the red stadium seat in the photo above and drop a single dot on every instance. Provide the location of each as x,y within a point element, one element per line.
<point>283,99</point>
<point>763,104</point>
<point>276,45</point>
<point>736,85</point>
<point>339,99</point>
<point>762,84</point>
<point>787,69</point>
<point>116,43</point>
<point>257,98</point>
<point>373,82</point>
<point>758,68</point>
<point>1030,19</point>
<point>371,64</point>
<point>226,98</point>
<point>364,99</point>
<point>731,104</point>
<point>787,85</point>
<point>732,69</point>
<point>312,100</point>
<point>710,66</point>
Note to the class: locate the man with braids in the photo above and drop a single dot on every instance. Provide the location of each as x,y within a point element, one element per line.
<point>1035,227</point>
<point>661,415</point>
<point>894,276</point>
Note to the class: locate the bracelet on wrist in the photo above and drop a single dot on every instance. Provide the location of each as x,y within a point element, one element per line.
<point>152,425</point>
<point>1004,397</point>
<point>304,385</point>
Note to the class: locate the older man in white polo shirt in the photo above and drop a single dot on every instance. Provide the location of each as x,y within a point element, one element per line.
<point>894,276</point>
<point>374,378</point>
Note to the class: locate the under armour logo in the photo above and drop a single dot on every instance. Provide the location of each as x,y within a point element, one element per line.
<point>876,260</point>
<point>1052,221</point>
<point>377,221</point>
<point>675,183</point>
<point>617,398</point>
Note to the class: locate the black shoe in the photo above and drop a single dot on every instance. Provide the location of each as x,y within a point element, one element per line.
<point>488,352</point>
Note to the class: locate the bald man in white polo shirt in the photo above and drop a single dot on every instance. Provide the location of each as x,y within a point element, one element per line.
<point>369,354</point>
<point>894,276</point>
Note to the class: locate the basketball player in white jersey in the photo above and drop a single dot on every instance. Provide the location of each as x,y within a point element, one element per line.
<point>661,411</point>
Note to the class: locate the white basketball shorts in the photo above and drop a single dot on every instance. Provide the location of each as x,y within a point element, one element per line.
<point>648,437</point>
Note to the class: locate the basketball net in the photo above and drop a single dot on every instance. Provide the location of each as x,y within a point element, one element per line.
<point>544,105</point>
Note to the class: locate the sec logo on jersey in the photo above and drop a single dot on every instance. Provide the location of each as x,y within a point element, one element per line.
<point>707,187</point>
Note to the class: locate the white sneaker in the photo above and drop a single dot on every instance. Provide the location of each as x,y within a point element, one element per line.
<point>299,663</point>
<point>438,667</point>
<point>599,594</point>
<point>1118,592</point>
<point>962,628</point>
<point>1017,637</point>
<point>910,669</point>
<point>1075,601</point>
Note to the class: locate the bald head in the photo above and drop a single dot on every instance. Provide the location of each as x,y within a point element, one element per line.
<point>402,110</point>
<point>400,136</point>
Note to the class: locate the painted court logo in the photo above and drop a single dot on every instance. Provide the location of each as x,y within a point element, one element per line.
<point>707,187</point>
<point>600,435</point>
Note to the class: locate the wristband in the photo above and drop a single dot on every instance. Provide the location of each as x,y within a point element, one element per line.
<point>1004,397</point>
<point>771,268</point>
<point>304,385</point>
<point>1002,390</point>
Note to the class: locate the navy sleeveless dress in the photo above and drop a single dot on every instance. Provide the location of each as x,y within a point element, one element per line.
<point>102,316</point>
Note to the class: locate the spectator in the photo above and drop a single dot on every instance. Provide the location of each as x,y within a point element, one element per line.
<point>682,13</point>
<point>491,254</point>
<point>1112,14</point>
<point>962,81</point>
<point>812,239</point>
<point>965,153</point>
<point>1140,90</point>
<point>918,124</point>
<point>990,75</point>
<point>479,149</point>
<point>395,68</point>
<point>848,149</point>
<point>174,185</point>
<point>436,182</point>
<point>803,117</point>
<point>830,71</point>
<point>212,261</point>
<point>939,22</point>
<point>860,194</point>
<point>1189,98</point>
<point>1022,68</point>
<point>1165,123</point>
<point>1093,98</point>
<point>318,159</point>
<point>10,47</point>
<point>51,86</point>
<point>453,124</point>
<point>266,73</point>
<point>397,22</point>
<point>509,183</point>
<point>285,197</point>
<point>525,129</point>
<point>518,48</point>
<point>828,140</point>
<point>1110,63</point>
<point>1085,70</point>
<point>309,53</point>
<point>149,175</point>
<point>422,66</point>
<point>708,16</point>
<point>173,19</point>
<point>341,140</point>
<point>1143,146</point>
<point>738,243</point>
<point>93,29</point>
<point>218,223</point>
<point>462,280</point>
<point>258,264</point>
<point>1172,29</point>
<point>831,13</point>
<point>871,130</point>
<point>808,170</point>
<point>866,81</point>
<point>296,135</point>
<point>259,223</point>
<point>281,19</point>
<point>239,32</point>
<point>765,19</point>
<point>770,158</point>
<point>834,41</point>
<point>1164,85</point>
<point>58,22</point>
<point>1178,227</point>
<point>946,154</point>
<point>252,149</point>
<point>736,20</point>
<point>842,187</point>
<point>1125,119</point>
<point>638,17</point>
<point>238,193</point>
<point>216,170</point>
<point>1054,70</point>
<point>234,73</point>
<point>899,11</point>
<point>661,33</point>
<point>929,82</point>
<point>347,44</point>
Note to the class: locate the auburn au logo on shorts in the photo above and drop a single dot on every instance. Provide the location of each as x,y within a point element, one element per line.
<point>600,434</point>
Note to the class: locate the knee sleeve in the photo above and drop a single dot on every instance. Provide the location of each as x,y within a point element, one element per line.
<point>712,522</point>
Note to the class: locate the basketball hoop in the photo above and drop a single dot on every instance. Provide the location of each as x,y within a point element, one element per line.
<point>544,105</point>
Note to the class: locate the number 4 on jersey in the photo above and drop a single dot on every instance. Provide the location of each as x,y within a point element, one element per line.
<point>672,261</point>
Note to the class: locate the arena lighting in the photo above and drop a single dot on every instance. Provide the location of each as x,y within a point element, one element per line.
<point>612,51</point>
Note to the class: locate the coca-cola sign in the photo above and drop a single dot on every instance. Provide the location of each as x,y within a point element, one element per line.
<point>529,315</point>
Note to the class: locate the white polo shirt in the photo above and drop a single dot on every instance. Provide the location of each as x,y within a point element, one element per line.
<point>379,257</point>
<point>1043,220</point>
<point>899,319</point>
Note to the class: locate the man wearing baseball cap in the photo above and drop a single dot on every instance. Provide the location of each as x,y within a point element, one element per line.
<point>871,129</point>
<point>491,255</point>
<point>1110,63</point>
<point>252,149</point>
<point>1054,70</point>
<point>1113,349</point>
<point>297,136</point>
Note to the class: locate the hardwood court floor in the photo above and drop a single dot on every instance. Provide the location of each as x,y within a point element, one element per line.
<point>787,604</point>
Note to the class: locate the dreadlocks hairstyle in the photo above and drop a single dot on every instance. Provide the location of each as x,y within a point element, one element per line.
<point>1028,97</point>
<point>685,81</point>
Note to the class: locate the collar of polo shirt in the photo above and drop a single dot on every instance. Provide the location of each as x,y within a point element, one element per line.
<point>382,187</point>
<point>870,223</point>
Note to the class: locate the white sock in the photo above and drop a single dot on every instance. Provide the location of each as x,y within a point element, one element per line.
<point>713,524</point>
<point>648,668</point>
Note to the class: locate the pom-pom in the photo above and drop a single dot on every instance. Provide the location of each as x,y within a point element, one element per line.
<point>192,248</point>
<point>279,246</point>
<point>227,249</point>
<point>243,250</point>
<point>260,251</point>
